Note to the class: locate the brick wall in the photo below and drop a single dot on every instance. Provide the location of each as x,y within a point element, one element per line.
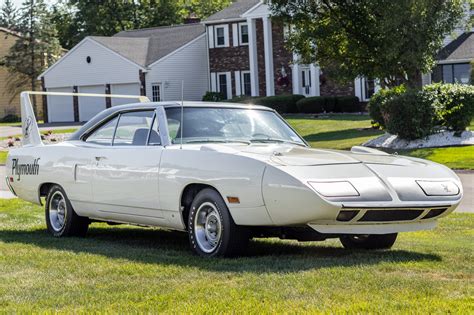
<point>282,57</point>
<point>329,87</point>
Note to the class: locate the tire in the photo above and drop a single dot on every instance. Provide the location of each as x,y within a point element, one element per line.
<point>61,219</point>
<point>373,241</point>
<point>211,229</point>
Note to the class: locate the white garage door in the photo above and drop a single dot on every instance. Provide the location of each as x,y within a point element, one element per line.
<point>125,89</point>
<point>91,106</point>
<point>60,108</point>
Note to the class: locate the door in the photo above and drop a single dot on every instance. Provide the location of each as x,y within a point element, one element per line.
<point>306,83</point>
<point>60,108</point>
<point>125,89</point>
<point>91,106</point>
<point>126,166</point>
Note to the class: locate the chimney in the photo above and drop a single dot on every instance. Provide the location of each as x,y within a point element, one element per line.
<point>192,19</point>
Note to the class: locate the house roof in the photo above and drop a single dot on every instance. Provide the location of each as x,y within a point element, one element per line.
<point>462,48</point>
<point>234,11</point>
<point>10,32</point>
<point>154,43</point>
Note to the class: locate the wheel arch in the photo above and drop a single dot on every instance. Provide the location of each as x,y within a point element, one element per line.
<point>187,196</point>
<point>43,190</point>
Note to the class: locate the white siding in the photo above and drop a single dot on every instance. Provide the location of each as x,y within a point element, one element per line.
<point>105,67</point>
<point>91,106</point>
<point>189,64</point>
<point>60,108</point>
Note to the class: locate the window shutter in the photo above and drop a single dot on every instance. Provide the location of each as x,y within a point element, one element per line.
<point>358,88</point>
<point>238,84</point>
<point>213,82</point>
<point>229,85</point>
<point>226,35</point>
<point>210,36</point>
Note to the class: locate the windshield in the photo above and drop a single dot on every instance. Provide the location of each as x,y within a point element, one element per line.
<point>205,124</point>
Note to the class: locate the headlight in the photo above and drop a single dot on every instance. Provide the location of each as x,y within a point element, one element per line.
<point>335,189</point>
<point>438,188</point>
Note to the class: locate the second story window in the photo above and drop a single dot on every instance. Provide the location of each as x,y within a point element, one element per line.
<point>220,37</point>
<point>244,34</point>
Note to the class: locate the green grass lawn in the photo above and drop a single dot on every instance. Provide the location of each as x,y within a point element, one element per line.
<point>127,269</point>
<point>346,131</point>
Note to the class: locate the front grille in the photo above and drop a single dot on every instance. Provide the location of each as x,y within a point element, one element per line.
<point>390,215</point>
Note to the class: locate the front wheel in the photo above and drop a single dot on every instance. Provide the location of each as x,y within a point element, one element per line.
<point>212,231</point>
<point>61,219</point>
<point>373,241</point>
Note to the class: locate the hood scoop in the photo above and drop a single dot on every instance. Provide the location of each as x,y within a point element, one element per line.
<point>308,157</point>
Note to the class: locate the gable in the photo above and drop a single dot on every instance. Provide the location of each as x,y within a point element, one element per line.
<point>105,66</point>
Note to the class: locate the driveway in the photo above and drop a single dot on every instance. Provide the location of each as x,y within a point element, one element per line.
<point>466,206</point>
<point>7,131</point>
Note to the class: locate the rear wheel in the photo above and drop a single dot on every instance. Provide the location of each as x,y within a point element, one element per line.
<point>212,231</point>
<point>61,219</point>
<point>373,241</point>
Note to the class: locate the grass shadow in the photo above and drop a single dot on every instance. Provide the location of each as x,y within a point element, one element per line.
<point>342,134</point>
<point>155,246</point>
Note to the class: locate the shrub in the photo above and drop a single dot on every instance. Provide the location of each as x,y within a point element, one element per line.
<point>213,97</point>
<point>348,104</point>
<point>378,99</point>
<point>409,115</point>
<point>10,118</point>
<point>244,99</point>
<point>311,105</point>
<point>281,103</point>
<point>453,104</point>
<point>331,104</point>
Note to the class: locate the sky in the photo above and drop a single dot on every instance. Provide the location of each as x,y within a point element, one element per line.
<point>19,2</point>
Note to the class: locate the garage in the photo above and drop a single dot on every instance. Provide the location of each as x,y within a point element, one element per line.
<point>91,106</point>
<point>60,108</point>
<point>125,89</point>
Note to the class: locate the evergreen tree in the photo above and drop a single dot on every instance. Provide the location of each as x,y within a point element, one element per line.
<point>36,49</point>
<point>8,15</point>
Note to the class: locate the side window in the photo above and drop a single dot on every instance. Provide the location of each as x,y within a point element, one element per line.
<point>104,134</point>
<point>244,34</point>
<point>133,128</point>
<point>154,133</point>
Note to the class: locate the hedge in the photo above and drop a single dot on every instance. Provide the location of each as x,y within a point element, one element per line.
<point>213,97</point>
<point>281,103</point>
<point>378,100</point>
<point>321,104</point>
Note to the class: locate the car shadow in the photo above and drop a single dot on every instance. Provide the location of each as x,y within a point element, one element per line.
<point>155,246</point>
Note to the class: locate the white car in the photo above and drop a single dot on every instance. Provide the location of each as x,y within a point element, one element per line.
<point>229,173</point>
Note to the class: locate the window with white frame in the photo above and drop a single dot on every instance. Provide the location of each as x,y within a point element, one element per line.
<point>243,34</point>
<point>246,83</point>
<point>156,92</point>
<point>222,84</point>
<point>221,32</point>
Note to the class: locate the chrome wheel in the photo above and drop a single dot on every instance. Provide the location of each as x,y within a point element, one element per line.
<point>207,227</point>
<point>57,211</point>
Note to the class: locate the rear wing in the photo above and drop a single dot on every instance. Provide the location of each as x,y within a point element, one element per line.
<point>29,125</point>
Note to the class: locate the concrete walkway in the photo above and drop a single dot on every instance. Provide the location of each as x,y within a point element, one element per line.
<point>466,206</point>
<point>7,131</point>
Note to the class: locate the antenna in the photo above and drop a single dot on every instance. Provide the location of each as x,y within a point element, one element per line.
<point>182,114</point>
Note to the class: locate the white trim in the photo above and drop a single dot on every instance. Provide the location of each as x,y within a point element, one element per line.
<point>77,47</point>
<point>238,85</point>
<point>268,48</point>
<point>246,14</point>
<point>235,35</point>
<point>213,82</point>
<point>225,27</point>
<point>222,21</point>
<point>315,91</point>
<point>229,85</point>
<point>358,88</point>
<point>177,50</point>
<point>295,74</point>
<point>210,36</point>
<point>241,43</point>
<point>253,57</point>
<point>447,62</point>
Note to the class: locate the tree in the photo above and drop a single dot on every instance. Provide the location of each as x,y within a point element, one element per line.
<point>8,15</point>
<point>394,41</point>
<point>35,50</point>
<point>201,8</point>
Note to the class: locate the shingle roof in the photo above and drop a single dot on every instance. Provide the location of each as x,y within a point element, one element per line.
<point>146,46</point>
<point>234,11</point>
<point>459,49</point>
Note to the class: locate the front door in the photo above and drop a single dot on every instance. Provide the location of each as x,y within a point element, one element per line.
<point>306,81</point>
<point>126,166</point>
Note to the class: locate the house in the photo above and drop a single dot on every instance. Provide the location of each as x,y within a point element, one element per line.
<point>152,62</point>
<point>454,61</point>
<point>9,100</point>
<point>247,56</point>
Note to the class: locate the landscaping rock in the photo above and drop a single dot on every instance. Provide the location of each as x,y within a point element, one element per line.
<point>441,139</point>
